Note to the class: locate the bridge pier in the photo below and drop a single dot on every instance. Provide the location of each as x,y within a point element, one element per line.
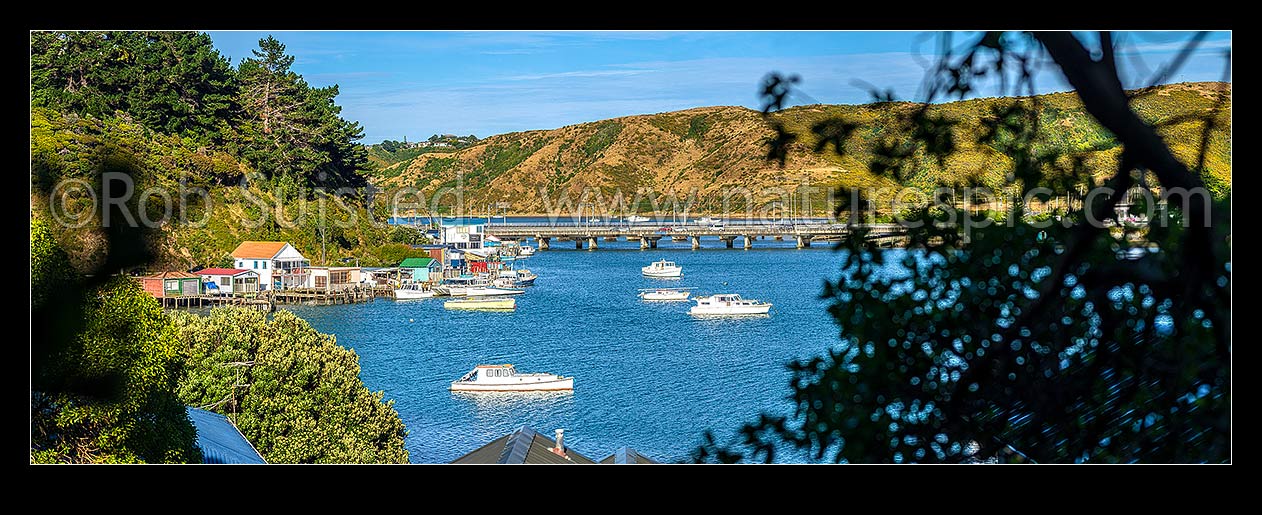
<point>653,242</point>
<point>644,244</point>
<point>543,242</point>
<point>591,243</point>
<point>749,242</point>
<point>578,244</point>
<point>728,240</point>
<point>696,242</point>
<point>804,242</point>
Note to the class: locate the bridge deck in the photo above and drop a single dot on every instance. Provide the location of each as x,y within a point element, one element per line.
<point>520,231</point>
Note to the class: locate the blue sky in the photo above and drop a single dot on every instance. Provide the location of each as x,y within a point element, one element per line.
<point>484,83</point>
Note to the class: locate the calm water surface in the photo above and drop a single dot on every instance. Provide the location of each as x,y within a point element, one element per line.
<point>647,375</point>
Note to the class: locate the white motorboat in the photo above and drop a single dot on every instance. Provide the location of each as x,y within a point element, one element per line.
<point>515,278</point>
<point>525,251</point>
<point>729,304</point>
<point>408,291</point>
<point>483,303</point>
<point>663,269</point>
<point>635,219</point>
<point>460,286</point>
<point>505,378</point>
<point>665,294</point>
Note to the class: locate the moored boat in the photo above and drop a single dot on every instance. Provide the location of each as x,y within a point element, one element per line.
<point>506,378</point>
<point>635,219</point>
<point>489,303</point>
<point>665,294</point>
<point>460,286</point>
<point>515,278</point>
<point>724,304</point>
<point>663,269</point>
<point>408,291</point>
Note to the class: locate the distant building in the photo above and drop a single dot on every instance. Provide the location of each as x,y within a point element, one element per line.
<point>434,251</point>
<point>220,440</point>
<point>280,266</point>
<point>227,281</point>
<point>463,233</point>
<point>524,446</point>
<point>172,284</point>
<point>422,269</point>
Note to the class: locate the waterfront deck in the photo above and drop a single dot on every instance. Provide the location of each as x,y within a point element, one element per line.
<point>648,234</point>
<point>267,300</point>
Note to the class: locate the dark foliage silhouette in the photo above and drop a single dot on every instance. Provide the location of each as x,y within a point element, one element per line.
<point>1034,341</point>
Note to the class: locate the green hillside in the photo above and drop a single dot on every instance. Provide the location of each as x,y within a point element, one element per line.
<point>714,149</point>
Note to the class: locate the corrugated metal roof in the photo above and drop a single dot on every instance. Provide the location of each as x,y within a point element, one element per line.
<point>222,271</point>
<point>220,441</point>
<point>172,275</point>
<point>627,456</point>
<point>523,446</point>
<point>258,249</point>
<point>416,262</point>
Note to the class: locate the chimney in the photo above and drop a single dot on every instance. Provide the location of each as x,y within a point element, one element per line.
<point>560,448</point>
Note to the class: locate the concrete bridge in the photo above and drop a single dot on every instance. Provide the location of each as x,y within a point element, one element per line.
<point>649,234</point>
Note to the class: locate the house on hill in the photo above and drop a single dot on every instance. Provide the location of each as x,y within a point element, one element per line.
<point>280,266</point>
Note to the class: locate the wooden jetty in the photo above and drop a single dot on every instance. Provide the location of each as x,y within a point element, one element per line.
<point>267,300</point>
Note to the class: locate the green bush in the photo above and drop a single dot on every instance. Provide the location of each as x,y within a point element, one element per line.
<point>294,392</point>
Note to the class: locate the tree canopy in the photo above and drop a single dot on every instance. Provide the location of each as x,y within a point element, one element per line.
<point>177,83</point>
<point>295,393</point>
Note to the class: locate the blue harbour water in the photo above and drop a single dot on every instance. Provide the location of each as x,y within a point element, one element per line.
<point>647,375</point>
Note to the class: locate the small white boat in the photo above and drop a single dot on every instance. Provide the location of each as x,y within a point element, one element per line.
<point>525,251</point>
<point>505,378</point>
<point>635,219</point>
<point>705,220</point>
<point>460,286</point>
<point>663,269</point>
<point>729,304</point>
<point>489,303</point>
<point>410,291</point>
<point>665,294</point>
